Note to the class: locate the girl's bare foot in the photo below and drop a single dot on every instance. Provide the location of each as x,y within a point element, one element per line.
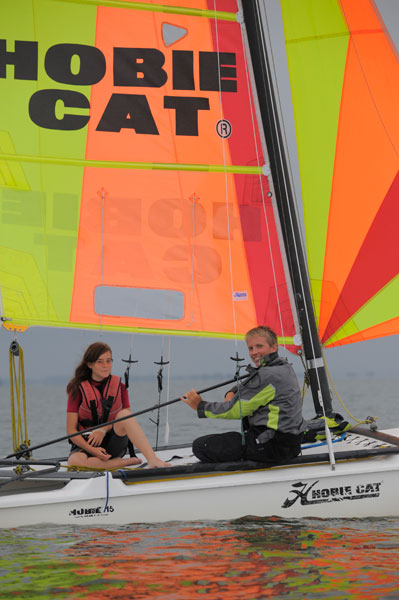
<point>133,460</point>
<point>157,463</point>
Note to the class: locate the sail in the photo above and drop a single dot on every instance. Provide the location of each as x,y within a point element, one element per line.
<point>134,184</point>
<point>344,77</point>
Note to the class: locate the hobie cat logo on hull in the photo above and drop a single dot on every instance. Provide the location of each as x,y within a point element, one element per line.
<point>310,494</point>
<point>91,511</point>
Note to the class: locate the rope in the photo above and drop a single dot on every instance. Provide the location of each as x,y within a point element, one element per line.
<point>306,377</point>
<point>20,440</point>
<point>237,375</point>
<point>292,212</point>
<point>306,384</point>
<point>161,364</point>
<point>107,491</point>
<point>317,444</point>
<point>367,420</point>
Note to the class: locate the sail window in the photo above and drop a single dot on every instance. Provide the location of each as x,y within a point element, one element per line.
<point>140,303</point>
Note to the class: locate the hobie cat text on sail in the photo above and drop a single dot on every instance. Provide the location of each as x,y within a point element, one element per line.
<point>84,65</point>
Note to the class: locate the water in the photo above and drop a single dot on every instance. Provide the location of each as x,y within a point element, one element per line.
<point>251,558</point>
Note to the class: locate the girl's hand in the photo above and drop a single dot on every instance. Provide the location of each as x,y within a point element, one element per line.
<point>100,453</point>
<point>96,437</point>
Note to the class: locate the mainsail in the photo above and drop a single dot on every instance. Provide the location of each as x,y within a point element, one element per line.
<point>134,183</point>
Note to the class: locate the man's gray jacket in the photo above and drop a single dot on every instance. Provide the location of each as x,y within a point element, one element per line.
<point>271,400</point>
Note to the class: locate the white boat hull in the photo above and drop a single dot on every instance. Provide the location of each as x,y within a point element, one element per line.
<point>360,487</point>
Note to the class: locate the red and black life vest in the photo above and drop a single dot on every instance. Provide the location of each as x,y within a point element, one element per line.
<point>100,405</point>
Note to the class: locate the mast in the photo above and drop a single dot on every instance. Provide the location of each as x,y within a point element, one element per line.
<point>286,208</point>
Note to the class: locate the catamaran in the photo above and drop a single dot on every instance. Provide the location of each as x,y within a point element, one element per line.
<point>146,188</point>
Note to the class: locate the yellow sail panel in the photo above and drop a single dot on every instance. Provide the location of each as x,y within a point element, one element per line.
<point>39,202</point>
<point>316,37</point>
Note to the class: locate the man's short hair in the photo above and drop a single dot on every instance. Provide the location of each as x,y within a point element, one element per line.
<point>265,332</point>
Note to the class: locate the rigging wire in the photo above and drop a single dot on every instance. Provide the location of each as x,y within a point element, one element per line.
<point>288,155</point>
<point>229,236</point>
<point>223,142</point>
<point>306,383</point>
<point>167,428</point>
<point>237,375</point>
<point>250,79</point>
<point>281,153</point>
<point>281,112</point>
<point>367,420</point>
<point>161,364</point>
<point>126,377</point>
<point>270,83</point>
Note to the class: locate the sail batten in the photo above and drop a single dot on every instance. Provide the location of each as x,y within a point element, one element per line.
<point>165,7</point>
<point>71,162</point>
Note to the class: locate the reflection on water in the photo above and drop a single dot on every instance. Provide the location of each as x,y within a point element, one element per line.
<point>250,558</point>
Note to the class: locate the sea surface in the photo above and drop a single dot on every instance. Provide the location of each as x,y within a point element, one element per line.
<point>249,558</point>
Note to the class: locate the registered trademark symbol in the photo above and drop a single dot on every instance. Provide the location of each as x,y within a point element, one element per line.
<point>223,128</point>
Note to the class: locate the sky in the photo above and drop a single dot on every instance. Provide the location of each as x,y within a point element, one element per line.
<point>55,353</point>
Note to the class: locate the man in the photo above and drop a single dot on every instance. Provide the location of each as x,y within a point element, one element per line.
<point>269,404</point>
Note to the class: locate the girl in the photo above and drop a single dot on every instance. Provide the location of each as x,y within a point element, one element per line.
<point>94,397</point>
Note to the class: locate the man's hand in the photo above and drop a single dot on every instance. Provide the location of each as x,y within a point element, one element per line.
<point>192,398</point>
